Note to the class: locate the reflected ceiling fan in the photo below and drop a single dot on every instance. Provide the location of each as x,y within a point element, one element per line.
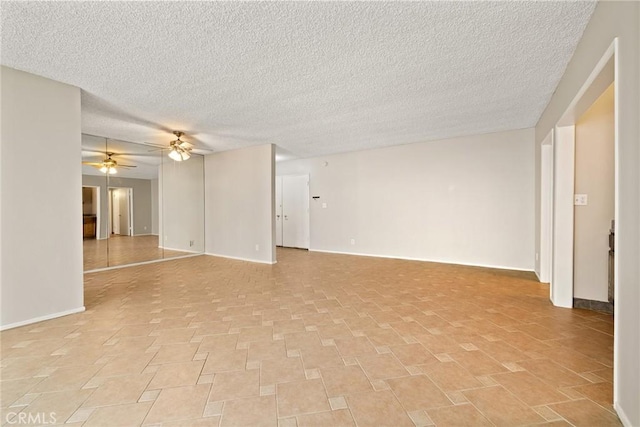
<point>108,165</point>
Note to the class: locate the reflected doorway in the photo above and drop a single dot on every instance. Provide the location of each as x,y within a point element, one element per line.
<point>90,212</point>
<point>120,211</point>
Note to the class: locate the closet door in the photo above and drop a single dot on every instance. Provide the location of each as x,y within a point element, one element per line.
<point>279,211</point>
<point>295,211</point>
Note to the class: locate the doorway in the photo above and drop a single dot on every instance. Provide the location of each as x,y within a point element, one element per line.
<point>572,268</point>
<point>292,211</point>
<point>570,201</point>
<point>90,212</point>
<point>594,203</point>
<point>120,211</point>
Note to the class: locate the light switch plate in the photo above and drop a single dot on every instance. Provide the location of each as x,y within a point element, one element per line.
<point>580,200</point>
<point>324,206</point>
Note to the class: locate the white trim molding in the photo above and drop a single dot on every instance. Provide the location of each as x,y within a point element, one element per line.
<point>42,318</point>
<point>439,261</point>
<point>241,259</point>
<point>153,261</point>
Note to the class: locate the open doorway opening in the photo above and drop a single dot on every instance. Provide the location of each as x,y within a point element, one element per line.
<point>120,211</point>
<point>90,212</point>
<point>594,204</point>
<point>585,204</point>
<point>583,154</point>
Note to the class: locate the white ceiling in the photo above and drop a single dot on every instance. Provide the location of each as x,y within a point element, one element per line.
<point>314,78</point>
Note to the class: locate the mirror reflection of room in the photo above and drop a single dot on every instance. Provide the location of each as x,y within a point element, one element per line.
<point>122,203</point>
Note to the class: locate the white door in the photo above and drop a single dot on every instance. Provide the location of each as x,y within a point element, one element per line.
<point>125,223</point>
<point>278,211</point>
<point>115,212</point>
<point>295,211</point>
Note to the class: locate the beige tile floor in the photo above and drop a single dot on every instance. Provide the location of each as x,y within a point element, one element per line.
<point>316,340</point>
<point>122,250</point>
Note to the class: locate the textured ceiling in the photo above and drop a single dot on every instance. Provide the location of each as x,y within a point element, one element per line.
<point>313,78</point>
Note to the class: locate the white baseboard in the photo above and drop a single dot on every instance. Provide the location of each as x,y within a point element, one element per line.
<point>439,261</point>
<point>242,259</point>
<point>622,415</point>
<point>42,318</point>
<point>153,261</point>
<point>180,250</point>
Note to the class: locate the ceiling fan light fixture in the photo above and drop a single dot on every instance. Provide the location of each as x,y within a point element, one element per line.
<point>175,155</point>
<point>109,165</point>
<point>108,169</point>
<point>178,149</point>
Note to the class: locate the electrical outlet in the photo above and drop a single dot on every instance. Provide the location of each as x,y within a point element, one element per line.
<point>324,206</point>
<point>537,256</point>
<point>353,241</point>
<point>192,242</point>
<point>580,200</point>
<point>257,247</point>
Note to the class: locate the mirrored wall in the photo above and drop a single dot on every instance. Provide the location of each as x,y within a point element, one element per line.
<point>138,204</point>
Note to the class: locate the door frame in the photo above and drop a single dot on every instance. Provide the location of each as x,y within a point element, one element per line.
<point>98,210</point>
<point>278,210</point>
<point>306,217</point>
<point>562,244</point>
<point>546,209</point>
<point>601,76</point>
<point>129,211</point>
<point>606,71</point>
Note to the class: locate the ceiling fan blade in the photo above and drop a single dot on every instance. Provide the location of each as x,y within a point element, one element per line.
<point>127,166</point>
<point>94,151</point>
<point>92,164</point>
<point>150,144</point>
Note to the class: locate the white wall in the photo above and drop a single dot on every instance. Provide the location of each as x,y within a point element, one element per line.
<point>465,200</point>
<point>41,274</point>
<point>239,197</point>
<point>611,20</point>
<point>181,198</point>
<point>594,176</point>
